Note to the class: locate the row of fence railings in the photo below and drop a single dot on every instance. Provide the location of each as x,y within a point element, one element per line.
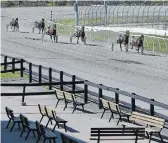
<point>94,34</point>
<point>39,75</point>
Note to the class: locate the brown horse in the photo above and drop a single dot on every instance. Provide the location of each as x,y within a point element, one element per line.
<point>139,43</point>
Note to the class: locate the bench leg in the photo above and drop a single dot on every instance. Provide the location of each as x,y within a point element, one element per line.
<point>103,114</point>
<point>65,106</point>
<point>54,140</point>
<point>19,125</point>
<point>27,134</point>
<point>44,140</point>
<point>34,134</point>
<point>119,120</point>
<point>160,137</point>
<point>74,108</point>
<point>150,136</point>
<point>57,103</point>
<point>65,127</point>
<point>47,123</point>
<point>147,135</point>
<point>41,118</point>
<point>12,126</point>
<point>22,132</point>
<point>8,123</point>
<point>38,139</point>
<point>55,126</point>
<point>83,108</point>
<point>50,140</point>
<point>111,117</point>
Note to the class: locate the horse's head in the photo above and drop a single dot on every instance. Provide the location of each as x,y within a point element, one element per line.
<point>83,28</point>
<point>142,37</point>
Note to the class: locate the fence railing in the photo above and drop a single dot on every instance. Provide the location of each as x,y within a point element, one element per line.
<point>89,91</point>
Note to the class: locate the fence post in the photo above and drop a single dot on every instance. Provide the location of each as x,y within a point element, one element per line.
<point>39,73</point>
<point>50,78</point>
<point>152,110</point>
<point>5,63</point>
<point>73,83</point>
<point>100,96</point>
<point>85,92</point>
<point>13,65</point>
<point>21,67</point>
<point>61,80</point>
<point>117,97</point>
<point>23,96</point>
<point>133,103</point>
<point>30,72</point>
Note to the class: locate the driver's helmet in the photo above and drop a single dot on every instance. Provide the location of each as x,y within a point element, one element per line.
<point>42,19</point>
<point>119,34</point>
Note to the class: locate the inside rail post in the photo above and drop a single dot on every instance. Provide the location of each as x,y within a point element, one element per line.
<point>117,97</point>
<point>100,96</point>
<point>85,92</point>
<point>23,96</point>
<point>152,109</point>
<point>50,78</point>
<point>73,83</point>
<point>39,74</point>
<point>133,103</point>
<point>61,80</point>
<point>30,72</point>
<point>5,63</point>
<point>21,67</point>
<point>13,65</point>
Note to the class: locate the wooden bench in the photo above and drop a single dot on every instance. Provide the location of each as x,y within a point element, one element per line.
<point>42,111</point>
<point>104,133</point>
<point>154,124</point>
<point>45,133</point>
<point>10,114</point>
<point>68,99</point>
<point>59,95</point>
<point>27,125</point>
<point>104,105</point>
<point>51,114</point>
<point>115,109</point>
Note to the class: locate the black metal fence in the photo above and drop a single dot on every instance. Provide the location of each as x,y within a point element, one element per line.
<point>89,91</point>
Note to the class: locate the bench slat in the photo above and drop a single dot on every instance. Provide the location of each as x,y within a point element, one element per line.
<point>105,103</point>
<point>68,96</point>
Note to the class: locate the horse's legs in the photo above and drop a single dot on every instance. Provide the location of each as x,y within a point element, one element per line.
<point>142,49</point>
<point>77,40</point>
<point>121,47</point>
<point>54,38</point>
<point>51,38</point>
<point>126,48</point>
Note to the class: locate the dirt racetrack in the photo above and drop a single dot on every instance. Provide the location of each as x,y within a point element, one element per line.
<point>146,75</point>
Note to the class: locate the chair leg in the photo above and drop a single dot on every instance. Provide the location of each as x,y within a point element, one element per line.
<point>50,140</point>
<point>54,140</point>
<point>111,117</point>
<point>57,103</point>
<point>160,137</point>
<point>41,118</point>
<point>150,136</point>
<point>8,123</point>
<point>51,122</point>
<point>47,123</point>
<point>128,118</point>
<point>27,134</point>
<point>147,135</point>
<point>12,126</point>
<point>103,114</point>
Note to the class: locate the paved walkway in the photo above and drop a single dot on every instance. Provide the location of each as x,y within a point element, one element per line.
<point>79,123</point>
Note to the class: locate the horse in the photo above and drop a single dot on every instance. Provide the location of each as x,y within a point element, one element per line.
<point>79,33</point>
<point>52,32</point>
<point>139,43</point>
<point>14,24</point>
<point>124,39</point>
<point>40,25</point>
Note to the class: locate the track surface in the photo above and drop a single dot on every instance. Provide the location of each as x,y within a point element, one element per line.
<point>145,75</point>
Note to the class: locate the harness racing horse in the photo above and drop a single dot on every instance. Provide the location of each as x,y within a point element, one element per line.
<point>52,32</point>
<point>124,40</point>
<point>79,33</point>
<point>40,25</point>
<point>14,24</point>
<point>139,43</point>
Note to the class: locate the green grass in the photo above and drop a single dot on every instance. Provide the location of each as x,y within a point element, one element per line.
<point>11,75</point>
